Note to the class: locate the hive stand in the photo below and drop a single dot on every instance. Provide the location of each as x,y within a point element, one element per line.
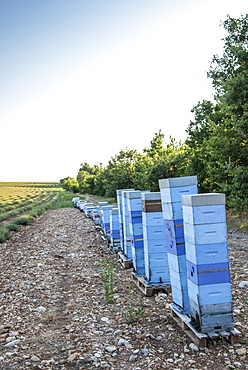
<point>149,289</point>
<point>124,261</point>
<point>201,339</point>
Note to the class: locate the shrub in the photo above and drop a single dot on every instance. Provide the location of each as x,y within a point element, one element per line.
<point>4,235</point>
<point>12,227</point>
<point>23,220</point>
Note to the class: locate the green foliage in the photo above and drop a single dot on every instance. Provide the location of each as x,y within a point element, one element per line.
<point>23,220</point>
<point>70,184</point>
<point>170,164</point>
<point>63,201</point>
<point>218,137</point>
<point>107,272</point>
<point>12,227</point>
<point>134,313</point>
<point>86,178</point>
<point>4,234</point>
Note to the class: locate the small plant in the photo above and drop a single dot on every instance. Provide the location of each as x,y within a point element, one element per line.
<point>4,234</point>
<point>134,313</point>
<point>107,270</point>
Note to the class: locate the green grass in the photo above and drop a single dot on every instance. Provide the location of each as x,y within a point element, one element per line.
<point>65,200</point>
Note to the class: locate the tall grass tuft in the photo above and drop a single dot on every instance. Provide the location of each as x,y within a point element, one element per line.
<point>107,271</point>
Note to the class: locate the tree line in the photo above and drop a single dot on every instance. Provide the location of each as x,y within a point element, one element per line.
<point>216,145</point>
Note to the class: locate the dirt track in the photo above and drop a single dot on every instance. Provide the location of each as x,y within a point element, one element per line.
<point>54,313</point>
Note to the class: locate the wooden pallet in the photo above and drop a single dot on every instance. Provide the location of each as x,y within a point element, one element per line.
<point>149,289</point>
<point>126,263</point>
<point>201,339</point>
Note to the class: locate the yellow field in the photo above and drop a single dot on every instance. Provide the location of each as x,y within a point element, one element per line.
<point>19,192</point>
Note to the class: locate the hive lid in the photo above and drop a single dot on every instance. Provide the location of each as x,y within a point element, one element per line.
<point>151,196</point>
<point>177,182</point>
<point>206,199</point>
<point>136,194</point>
<point>119,191</point>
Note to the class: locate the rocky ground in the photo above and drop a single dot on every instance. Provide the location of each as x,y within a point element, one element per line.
<point>54,313</point>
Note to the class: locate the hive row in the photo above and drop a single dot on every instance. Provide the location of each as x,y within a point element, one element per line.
<point>174,237</point>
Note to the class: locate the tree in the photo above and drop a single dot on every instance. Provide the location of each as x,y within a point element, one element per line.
<point>218,137</point>
<point>86,178</point>
<point>118,174</point>
<point>156,149</point>
<point>170,164</point>
<point>70,184</point>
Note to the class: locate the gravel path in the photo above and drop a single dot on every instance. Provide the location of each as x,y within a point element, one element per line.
<point>54,314</point>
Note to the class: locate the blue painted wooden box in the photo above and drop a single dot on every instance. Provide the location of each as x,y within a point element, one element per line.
<point>171,196</point>
<point>114,228</point>
<point>105,219</point>
<point>207,261</point>
<point>155,252</point>
<point>119,197</point>
<point>207,253</point>
<point>153,218</point>
<point>134,205</point>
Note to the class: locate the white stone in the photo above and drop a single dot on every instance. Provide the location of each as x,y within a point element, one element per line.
<point>237,364</point>
<point>132,358</point>
<point>121,342</point>
<point>193,347</point>
<point>10,339</point>
<point>243,284</point>
<point>12,343</point>
<point>41,309</point>
<point>105,319</point>
<point>241,351</point>
<point>35,358</point>
<point>111,348</point>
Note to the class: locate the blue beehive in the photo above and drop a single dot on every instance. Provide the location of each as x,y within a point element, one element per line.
<point>171,195</point>
<point>119,196</point>
<point>134,204</point>
<point>100,205</point>
<point>155,253</point>
<point>114,229</point>
<point>75,201</point>
<point>207,261</point>
<point>127,237</point>
<point>105,219</point>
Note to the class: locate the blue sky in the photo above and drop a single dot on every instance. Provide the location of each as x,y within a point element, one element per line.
<point>82,79</point>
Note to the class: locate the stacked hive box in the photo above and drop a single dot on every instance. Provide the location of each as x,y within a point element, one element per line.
<point>80,204</point>
<point>155,253</point>
<point>207,261</point>
<point>134,205</point>
<point>119,196</point>
<point>75,200</point>
<point>105,219</point>
<point>127,243</point>
<point>98,217</point>
<point>114,229</point>
<point>171,195</point>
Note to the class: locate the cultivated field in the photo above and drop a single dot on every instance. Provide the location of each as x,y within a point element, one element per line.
<point>20,202</point>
